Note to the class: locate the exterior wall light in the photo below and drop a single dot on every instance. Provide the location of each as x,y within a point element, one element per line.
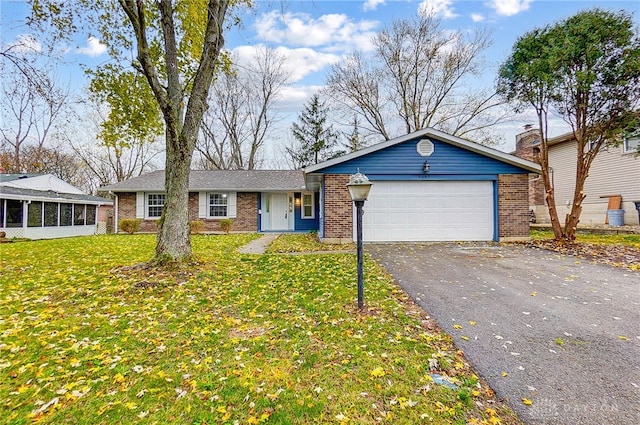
<point>425,168</point>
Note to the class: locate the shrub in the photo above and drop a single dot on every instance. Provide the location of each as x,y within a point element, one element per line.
<point>130,225</point>
<point>225,225</point>
<point>196,226</point>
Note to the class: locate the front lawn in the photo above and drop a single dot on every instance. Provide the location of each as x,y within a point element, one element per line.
<point>88,337</point>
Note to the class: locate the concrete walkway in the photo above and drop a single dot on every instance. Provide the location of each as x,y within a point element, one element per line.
<point>259,246</point>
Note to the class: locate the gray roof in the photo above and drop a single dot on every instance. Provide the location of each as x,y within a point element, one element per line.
<point>7,177</point>
<point>235,180</point>
<point>8,192</point>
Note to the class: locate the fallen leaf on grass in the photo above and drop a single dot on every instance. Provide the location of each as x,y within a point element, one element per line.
<point>377,372</point>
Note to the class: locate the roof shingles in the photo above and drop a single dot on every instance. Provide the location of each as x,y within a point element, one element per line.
<point>236,180</point>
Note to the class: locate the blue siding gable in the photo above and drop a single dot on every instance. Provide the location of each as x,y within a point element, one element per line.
<point>402,160</point>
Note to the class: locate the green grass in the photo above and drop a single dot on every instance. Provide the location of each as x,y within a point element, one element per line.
<point>87,339</point>
<point>631,240</point>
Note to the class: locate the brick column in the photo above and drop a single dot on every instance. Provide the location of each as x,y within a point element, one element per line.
<point>338,209</point>
<point>513,206</point>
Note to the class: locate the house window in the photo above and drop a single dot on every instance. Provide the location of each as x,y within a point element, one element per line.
<point>631,145</point>
<point>91,215</point>
<point>218,204</point>
<point>34,214</point>
<point>155,203</point>
<point>50,214</point>
<point>78,215</point>
<point>66,214</point>
<point>308,210</point>
<point>14,213</point>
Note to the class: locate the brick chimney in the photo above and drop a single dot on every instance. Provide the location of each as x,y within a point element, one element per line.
<point>526,141</point>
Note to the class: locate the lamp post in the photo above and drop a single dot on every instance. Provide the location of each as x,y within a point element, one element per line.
<point>359,186</point>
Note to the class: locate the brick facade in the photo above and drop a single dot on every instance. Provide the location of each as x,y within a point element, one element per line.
<point>246,219</point>
<point>338,208</point>
<point>513,206</point>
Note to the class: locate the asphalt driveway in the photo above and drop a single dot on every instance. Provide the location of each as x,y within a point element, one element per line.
<point>535,324</point>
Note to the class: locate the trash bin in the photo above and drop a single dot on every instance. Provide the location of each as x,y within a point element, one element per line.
<point>616,217</point>
<point>638,208</point>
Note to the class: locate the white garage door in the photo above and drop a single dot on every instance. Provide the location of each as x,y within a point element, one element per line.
<point>429,211</point>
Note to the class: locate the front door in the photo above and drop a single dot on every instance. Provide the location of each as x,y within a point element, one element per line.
<point>279,211</point>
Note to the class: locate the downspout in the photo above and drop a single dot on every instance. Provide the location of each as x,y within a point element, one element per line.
<point>115,214</point>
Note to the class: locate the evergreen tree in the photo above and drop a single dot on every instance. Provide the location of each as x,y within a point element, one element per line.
<point>314,139</point>
<point>355,142</point>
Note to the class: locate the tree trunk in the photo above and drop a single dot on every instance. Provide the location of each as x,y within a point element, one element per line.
<point>173,241</point>
<point>583,163</point>
<point>549,197</point>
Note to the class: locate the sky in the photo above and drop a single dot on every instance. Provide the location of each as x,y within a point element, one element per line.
<point>312,35</point>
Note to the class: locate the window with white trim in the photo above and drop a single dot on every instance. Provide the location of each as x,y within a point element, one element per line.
<point>631,145</point>
<point>155,204</point>
<point>218,205</point>
<point>308,210</point>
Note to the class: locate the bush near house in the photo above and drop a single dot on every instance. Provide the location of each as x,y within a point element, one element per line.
<point>129,225</point>
<point>91,336</point>
<point>196,226</point>
<point>225,225</point>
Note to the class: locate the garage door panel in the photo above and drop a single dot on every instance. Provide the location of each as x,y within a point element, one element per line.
<point>429,211</point>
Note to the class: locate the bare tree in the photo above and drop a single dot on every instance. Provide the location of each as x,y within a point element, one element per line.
<point>30,109</point>
<point>417,79</point>
<point>242,113</point>
<point>110,161</point>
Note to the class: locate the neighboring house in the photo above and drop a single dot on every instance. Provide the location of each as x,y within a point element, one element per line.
<point>256,201</point>
<point>427,186</point>
<point>615,172</point>
<point>42,206</point>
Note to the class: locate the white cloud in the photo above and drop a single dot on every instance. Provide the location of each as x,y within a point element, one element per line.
<point>509,7</point>
<point>440,8</point>
<point>300,62</point>
<point>372,4</point>
<point>477,17</point>
<point>331,31</point>
<point>25,44</point>
<point>94,48</point>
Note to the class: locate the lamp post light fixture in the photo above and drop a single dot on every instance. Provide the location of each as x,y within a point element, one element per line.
<point>359,187</point>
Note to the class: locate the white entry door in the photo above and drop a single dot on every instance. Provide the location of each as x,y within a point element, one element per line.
<point>279,211</point>
<point>429,211</point>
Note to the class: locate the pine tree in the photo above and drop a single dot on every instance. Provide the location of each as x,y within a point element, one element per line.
<point>315,141</point>
<point>355,142</point>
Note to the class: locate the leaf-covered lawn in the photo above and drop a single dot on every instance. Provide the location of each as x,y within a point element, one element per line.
<point>305,242</point>
<point>631,240</point>
<point>88,337</point>
<point>619,250</point>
